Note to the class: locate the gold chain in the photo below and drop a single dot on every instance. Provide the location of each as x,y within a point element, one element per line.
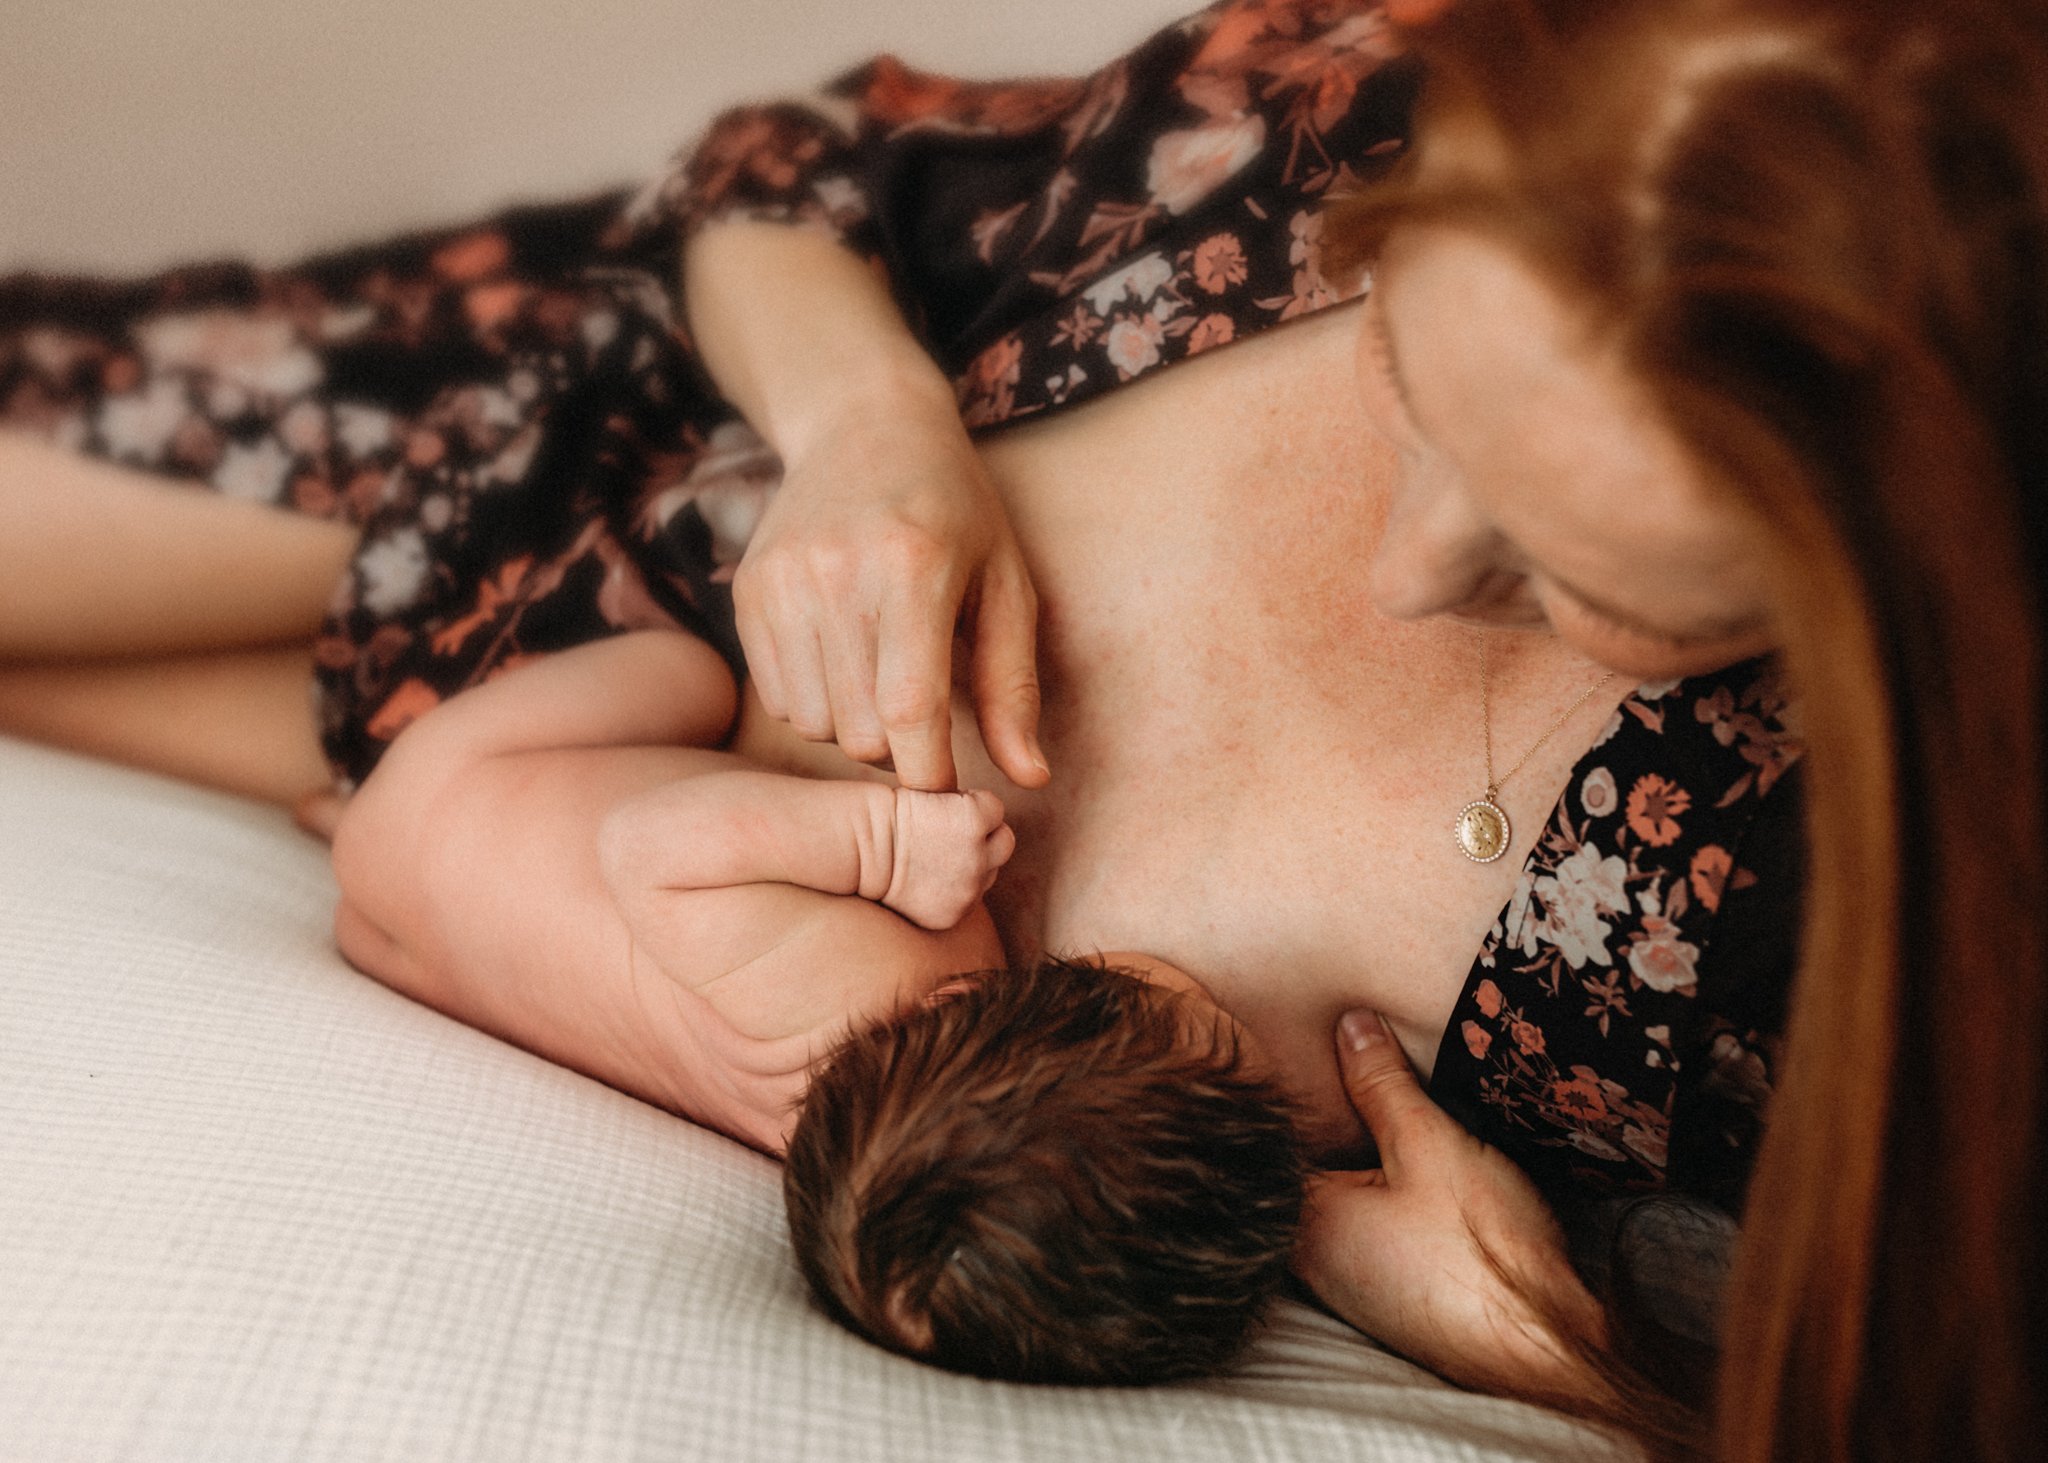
<point>1495,784</point>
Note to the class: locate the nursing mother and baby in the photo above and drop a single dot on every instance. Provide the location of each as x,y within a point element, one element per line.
<point>1408,850</point>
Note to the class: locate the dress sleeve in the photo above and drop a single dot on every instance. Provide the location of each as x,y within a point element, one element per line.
<point>1167,191</point>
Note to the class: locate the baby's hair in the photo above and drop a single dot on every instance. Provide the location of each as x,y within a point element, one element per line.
<point>1061,1174</point>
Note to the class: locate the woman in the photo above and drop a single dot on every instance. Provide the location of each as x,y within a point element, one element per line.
<point>1208,676</point>
<point>1781,269</point>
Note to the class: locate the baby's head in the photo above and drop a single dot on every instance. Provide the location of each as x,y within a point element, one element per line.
<point>1063,1174</point>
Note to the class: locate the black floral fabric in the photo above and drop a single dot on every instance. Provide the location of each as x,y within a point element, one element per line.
<point>514,418</point>
<point>1620,1026</point>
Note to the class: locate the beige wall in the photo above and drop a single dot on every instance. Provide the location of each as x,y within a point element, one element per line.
<point>137,132</point>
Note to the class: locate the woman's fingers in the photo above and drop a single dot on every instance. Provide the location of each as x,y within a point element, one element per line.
<point>1005,673</point>
<point>914,683</point>
<point>849,660</point>
<point>757,641</point>
<point>1383,1089</point>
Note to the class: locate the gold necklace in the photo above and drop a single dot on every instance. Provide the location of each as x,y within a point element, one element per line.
<point>1483,830</point>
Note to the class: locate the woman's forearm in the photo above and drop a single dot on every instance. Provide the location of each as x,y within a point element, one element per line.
<point>800,333</point>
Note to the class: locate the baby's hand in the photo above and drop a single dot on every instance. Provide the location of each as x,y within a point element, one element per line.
<point>948,847</point>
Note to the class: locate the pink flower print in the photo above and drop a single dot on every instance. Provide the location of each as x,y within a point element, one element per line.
<point>1711,867</point>
<point>1580,1097</point>
<point>1662,961</point>
<point>1655,804</point>
<point>1651,1145</point>
<point>992,226</point>
<point>1597,794</point>
<point>304,429</point>
<point>491,305</point>
<point>413,699</point>
<point>1133,344</point>
<point>1077,327</point>
<point>1488,999</point>
<point>988,391</point>
<point>1211,331</point>
<point>473,256</point>
<point>1717,712</point>
<point>1219,263</point>
<point>1478,1040</point>
<point>1528,1038</point>
<point>1187,166</point>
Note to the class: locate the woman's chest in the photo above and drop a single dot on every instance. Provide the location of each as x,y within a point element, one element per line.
<point>1255,775</point>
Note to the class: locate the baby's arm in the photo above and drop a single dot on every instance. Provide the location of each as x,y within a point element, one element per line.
<point>471,880</point>
<point>703,869</point>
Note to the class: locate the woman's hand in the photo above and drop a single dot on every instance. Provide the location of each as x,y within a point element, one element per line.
<point>886,537</point>
<point>887,534</point>
<point>1402,1251</point>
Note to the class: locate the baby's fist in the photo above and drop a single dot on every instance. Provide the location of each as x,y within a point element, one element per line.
<point>948,848</point>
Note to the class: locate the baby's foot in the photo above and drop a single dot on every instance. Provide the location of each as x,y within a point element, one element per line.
<point>948,847</point>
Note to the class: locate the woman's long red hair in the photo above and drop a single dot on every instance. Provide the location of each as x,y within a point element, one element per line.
<point>1818,234</point>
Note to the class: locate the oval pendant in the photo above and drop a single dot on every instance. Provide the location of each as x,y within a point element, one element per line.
<point>1483,831</point>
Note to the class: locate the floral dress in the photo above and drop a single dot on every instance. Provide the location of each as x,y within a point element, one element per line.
<point>513,415</point>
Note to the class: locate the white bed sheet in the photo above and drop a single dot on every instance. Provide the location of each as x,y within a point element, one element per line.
<point>256,1206</point>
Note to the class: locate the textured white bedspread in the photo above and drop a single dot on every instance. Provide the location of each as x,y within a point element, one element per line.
<point>255,1206</point>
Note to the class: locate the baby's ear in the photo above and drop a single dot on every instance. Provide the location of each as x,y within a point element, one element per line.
<point>909,1327</point>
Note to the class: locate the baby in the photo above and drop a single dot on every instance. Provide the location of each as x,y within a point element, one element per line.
<point>1070,1173</point>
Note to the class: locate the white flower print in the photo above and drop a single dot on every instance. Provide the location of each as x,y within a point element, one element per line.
<point>1600,879</point>
<point>1598,794</point>
<point>1141,279</point>
<point>1186,167</point>
<point>345,322</point>
<point>600,329</point>
<point>1662,961</point>
<point>136,427</point>
<point>1133,345</point>
<point>257,353</point>
<point>1584,887</point>
<point>393,571</point>
<point>253,472</point>
<point>363,430</point>
<point>497,408</point>
<point>513,460</point>
<point>1517,929</point>
<point>730,487</point>
<point>842,198</point>
<point>1607,732</point>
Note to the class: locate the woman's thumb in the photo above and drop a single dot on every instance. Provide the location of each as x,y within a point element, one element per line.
<point>1380,1083</point>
